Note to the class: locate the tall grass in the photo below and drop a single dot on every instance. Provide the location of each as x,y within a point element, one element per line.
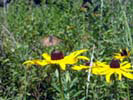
<point>24,25</point>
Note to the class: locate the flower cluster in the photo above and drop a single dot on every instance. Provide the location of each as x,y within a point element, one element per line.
<point>116,66</point>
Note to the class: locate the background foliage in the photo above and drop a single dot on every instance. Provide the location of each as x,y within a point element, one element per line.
<point>23,25</point>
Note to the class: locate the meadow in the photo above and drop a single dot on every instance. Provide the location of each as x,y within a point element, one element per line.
<point>102,27</point>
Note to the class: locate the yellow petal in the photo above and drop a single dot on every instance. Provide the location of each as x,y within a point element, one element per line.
<point>79,67</point>
<point>127,70</point>
<point>41,62</point>
<point>46,56</point>
<point>72,58</point>
<point>63,66</point>
<point>76,68</point>
<point>128,52</point>
<point>100,71</point>
<point>37,62</point>
<point>119,75</point>
<point>120,50</point>
<point>76,53</point>
<point>83,57</point>
<point>69,60</point>
<point>101,65</point>
<point>128,75</point>
<point>29,62</point>
<point>125,65</point>
<point>118,56</point>
<point>108,77</point>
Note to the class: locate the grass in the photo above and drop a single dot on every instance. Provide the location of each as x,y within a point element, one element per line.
<point>23,26</point>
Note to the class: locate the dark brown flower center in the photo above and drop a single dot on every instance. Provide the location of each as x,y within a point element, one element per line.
<point>87,64</point>
<point>115,64</point>
<point>57,55</point>
<point>124,52</point>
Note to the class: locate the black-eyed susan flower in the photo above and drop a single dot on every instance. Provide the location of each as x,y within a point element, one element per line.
<point>57,57</point>
<point>124,53</point>
<point>115,67</point>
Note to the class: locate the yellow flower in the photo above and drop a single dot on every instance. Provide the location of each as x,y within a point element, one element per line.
<point>115,67</point>
<point>57,57</point>
<point>125,53</point>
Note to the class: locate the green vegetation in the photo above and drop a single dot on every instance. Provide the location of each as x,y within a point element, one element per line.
<point>23,26</point>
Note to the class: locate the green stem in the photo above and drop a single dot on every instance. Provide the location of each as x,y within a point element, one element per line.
<point>25,82</point>
<point>128,92</point>
<point>61,86</point>
<point>115,87</point>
